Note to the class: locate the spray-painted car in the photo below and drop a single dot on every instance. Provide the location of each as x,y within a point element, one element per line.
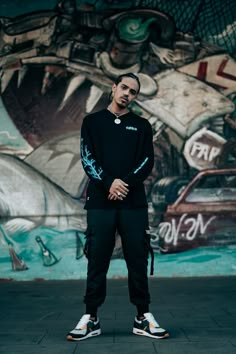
<point>203,214</point>
<point>26,32</point>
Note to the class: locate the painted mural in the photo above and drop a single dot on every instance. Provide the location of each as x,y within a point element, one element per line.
<point>58,60</point>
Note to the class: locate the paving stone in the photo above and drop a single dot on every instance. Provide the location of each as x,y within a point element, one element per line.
<point>116,348</point>
<point>167,346</point>
<point>233,341</point>
<point>51,325</point>
<point>199,313</point>
<point>38,349</point>
<point>210,334</point>
<point>27,315</point>
<point>185,322</point>
<point>9,336</point>
<point>227,320</point>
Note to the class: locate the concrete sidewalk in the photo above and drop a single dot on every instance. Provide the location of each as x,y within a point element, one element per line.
<point>200,314</point>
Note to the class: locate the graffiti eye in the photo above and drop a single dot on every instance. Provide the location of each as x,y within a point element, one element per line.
<point>7,48</point>
<point>204,104</point>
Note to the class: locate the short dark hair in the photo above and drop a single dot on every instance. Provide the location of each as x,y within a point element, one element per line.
<point>131,75</point>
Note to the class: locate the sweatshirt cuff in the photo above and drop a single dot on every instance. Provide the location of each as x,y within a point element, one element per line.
<point>107,182</point>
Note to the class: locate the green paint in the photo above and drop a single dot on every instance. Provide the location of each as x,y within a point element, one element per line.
<point>134,28</point>
<point>202,258</point>
<point>198,262</point>
<point>4,234</point>
<point>135,108</point>
<point>9,134</point>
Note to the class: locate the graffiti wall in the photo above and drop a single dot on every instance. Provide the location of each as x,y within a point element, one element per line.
<point>58,60</point>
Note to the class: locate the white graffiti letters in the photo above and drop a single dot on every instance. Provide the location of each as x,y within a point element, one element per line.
<point>204,151</point>
<point>171,231</point>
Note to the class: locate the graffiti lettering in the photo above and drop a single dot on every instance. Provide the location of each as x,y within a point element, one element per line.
<point>200,150</point>
<point>192,226</point>
<point>203,72</point>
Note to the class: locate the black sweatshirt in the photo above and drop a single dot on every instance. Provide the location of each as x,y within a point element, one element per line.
<point>109,151</point>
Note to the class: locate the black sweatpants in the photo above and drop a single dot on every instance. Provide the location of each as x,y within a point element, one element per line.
<point>131,225</point>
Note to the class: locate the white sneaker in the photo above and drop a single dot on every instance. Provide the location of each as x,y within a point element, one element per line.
<point>149,327</point>
<point>85,328</point>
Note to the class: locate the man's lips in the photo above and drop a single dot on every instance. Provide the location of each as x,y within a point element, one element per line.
<point>124,99</point>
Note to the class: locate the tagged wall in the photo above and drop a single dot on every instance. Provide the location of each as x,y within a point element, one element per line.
<point>58,60</point>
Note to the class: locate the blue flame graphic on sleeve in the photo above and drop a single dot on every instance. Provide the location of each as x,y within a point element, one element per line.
<point>89,163</point>
<point>142,164</point>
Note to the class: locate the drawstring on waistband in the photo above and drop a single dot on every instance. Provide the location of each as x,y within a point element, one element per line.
<point>152,260</point>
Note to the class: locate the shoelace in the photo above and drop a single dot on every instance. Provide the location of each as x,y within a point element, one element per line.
<point>83,321</point>
<point>151,319</point>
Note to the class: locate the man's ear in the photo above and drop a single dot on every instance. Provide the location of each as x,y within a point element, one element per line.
<point>113,88</point>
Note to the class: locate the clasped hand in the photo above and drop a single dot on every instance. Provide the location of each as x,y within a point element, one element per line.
<point>118,190</point>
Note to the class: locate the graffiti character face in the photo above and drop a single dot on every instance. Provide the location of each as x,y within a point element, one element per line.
<point>125,92</point>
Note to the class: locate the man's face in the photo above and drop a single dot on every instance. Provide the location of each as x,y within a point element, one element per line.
<point>125,92</point>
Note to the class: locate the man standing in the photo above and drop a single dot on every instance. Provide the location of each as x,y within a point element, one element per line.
<point>117,155</point>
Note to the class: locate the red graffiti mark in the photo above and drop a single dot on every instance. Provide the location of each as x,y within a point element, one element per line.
<point>202,70</point>
<point>220,71</point>
<point>202,73</point>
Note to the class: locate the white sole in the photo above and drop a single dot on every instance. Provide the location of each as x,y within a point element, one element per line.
<point>90,335</point>
<point>140,332</point>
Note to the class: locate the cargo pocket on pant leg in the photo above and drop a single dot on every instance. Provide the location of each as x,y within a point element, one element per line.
<point>149,250</point>
<point>88,234</point>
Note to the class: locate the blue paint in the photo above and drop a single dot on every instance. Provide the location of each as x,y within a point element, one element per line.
<point>9,134</point>
<point>197,262</point>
